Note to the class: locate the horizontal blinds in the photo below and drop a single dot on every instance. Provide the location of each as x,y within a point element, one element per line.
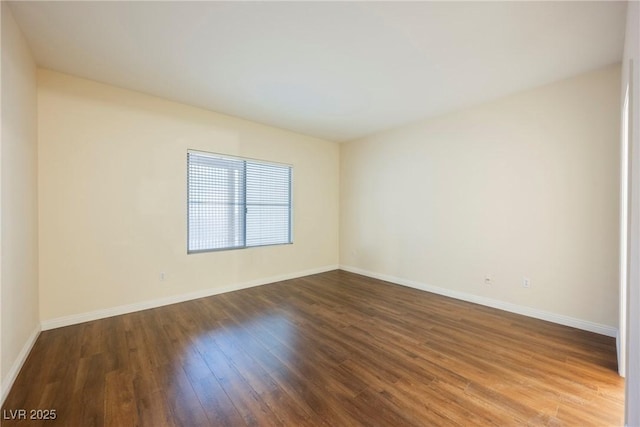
<point>268,198</point>
<point>236,203</point>
<point>216,202</point>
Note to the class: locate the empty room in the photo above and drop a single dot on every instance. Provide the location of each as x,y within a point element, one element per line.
<point>219,213</point>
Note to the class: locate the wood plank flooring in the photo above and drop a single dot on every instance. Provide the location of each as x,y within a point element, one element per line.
<point>334,349</point>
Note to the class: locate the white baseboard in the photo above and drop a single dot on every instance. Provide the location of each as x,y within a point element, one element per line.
<point>73,319</point>
<point>7,382</point>
<point>489,302</point>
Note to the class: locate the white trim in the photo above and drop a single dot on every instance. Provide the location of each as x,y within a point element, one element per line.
<point>7,382</point>
<point>621,369</point>
<point>73,319</point>
<point>621,338</point>
<point>489,302</point>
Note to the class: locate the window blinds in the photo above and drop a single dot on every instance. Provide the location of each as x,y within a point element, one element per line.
<point>236,203</point>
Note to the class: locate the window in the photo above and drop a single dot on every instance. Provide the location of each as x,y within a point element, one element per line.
<point>236,203</point>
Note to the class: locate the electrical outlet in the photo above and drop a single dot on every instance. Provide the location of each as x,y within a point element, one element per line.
<point>487,280</point>
<point>526,282</point>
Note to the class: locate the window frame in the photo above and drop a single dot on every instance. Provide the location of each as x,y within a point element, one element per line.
<point>244,236</point>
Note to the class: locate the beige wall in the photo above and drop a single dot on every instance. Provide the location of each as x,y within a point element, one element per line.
<point>525,186</point>
<point>112,197</point>
<point>19,266</point>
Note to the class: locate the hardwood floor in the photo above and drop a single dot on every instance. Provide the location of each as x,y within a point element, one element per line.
<point>334,349</point>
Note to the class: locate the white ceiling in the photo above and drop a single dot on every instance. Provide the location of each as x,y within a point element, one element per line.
<point>335,70</point>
